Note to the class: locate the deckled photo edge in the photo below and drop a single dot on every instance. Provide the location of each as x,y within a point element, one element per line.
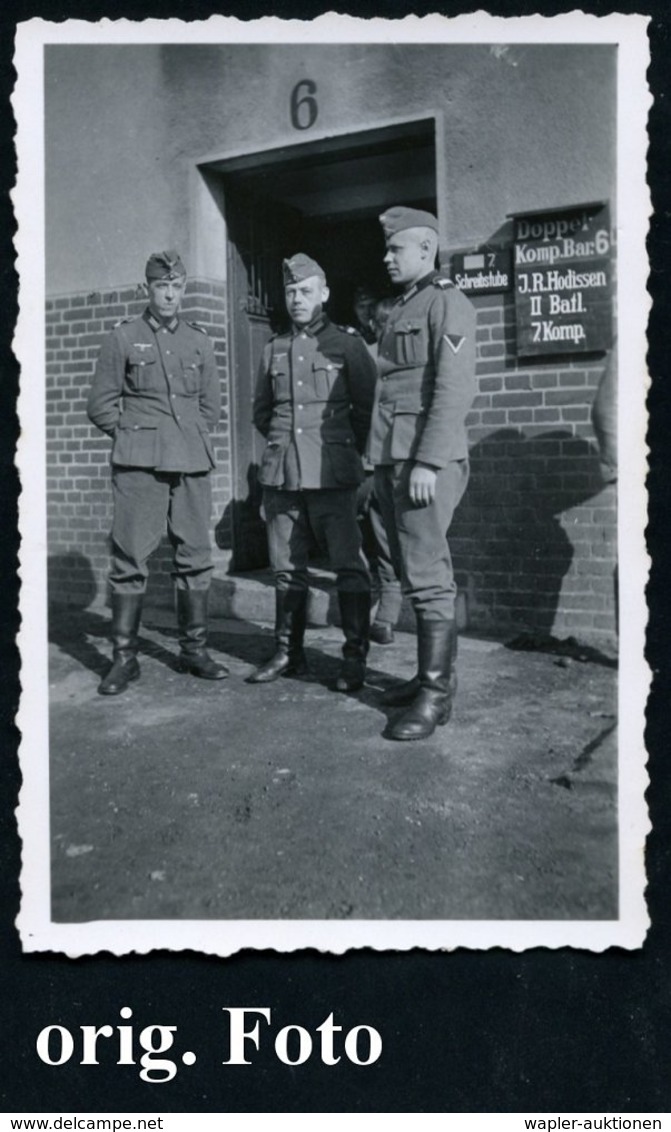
<point>37,931</point>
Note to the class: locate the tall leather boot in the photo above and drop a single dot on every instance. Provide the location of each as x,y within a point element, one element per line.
<point>192,623</point>
<point>355,620</point>
<point>403,694</point>
<point>126,615</point>
<point>289,657</point>
<point>432,706</point>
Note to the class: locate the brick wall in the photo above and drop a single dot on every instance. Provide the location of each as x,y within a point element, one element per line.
<point>78,470</point>
<point>533,540</point>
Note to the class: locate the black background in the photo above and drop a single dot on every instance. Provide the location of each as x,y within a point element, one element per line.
<point>464,1032</point>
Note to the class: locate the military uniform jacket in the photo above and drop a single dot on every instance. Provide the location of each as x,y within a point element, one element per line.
<point>156,393</point>
<point>426,382</point>
<point>314,396</point>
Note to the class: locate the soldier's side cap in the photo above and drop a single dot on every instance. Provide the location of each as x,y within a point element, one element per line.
<point>164,265</point>
<point>397,219</point>
<point>299,267</point>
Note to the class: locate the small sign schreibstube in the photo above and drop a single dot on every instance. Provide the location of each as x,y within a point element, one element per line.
<point>563,280</point>
<point>483,271</point>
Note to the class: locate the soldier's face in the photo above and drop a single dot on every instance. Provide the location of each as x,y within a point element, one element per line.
<point>406,257</point>
<point>165,296</point>
<point>305,299</point>
<point>364,306</point>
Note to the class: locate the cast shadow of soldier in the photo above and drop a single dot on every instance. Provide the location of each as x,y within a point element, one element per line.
<point>77,629</point>
<point>72,625</point>
<point>508,534</point>
<point>84,633</point>
<point>507,529</point>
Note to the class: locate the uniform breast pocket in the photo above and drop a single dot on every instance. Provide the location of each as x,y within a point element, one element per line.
<point>192,367</point>
<point>141,368</point>
<point>328,377</point>
<point>411,342</point>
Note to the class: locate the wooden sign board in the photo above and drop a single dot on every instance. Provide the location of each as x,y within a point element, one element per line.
<point>482,272</point>
<point>563,280</point>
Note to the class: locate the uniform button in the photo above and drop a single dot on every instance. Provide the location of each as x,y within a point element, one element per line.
<point>329,367</point>
<point>167,351</point>
<point>303,335</point>
<point>300,406</point>
<point>172,396</point>
<point>299,383</point>
<point>301,358</point>
<point>299,430</point>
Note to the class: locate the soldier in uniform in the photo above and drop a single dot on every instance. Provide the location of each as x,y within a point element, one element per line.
<point>363,307</point>
<point>313,402</point>
<point>156,394</point>
<point>386,584</point>
<point>426,384</point>
<point>604,419</point>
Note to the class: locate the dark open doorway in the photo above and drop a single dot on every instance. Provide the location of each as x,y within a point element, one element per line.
<point>323,198</point>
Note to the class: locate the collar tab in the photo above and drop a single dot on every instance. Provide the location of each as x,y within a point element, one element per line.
<point>170,324</point>
<point>419,285</point>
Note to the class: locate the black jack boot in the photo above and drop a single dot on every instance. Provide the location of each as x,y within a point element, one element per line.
<point>290,620</point>
<point>126,614</point>
<point>432,705</point>
<point>192,622</point>
<point>403,694</point>
<point>355,620</point>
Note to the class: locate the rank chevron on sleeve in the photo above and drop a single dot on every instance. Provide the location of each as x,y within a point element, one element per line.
<point>454,341</point>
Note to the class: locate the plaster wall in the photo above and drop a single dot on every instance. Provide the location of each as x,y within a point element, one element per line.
<point>518,128</point>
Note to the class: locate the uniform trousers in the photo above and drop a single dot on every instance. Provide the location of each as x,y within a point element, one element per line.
<point>145,501</point>
<point>295,519</point>
<point>418,535</point>
<point>386,586</point>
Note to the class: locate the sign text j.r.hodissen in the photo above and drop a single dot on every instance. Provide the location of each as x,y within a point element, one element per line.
<point>563,288</point>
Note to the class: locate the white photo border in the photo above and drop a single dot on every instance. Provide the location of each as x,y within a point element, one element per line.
<point>223,938</point>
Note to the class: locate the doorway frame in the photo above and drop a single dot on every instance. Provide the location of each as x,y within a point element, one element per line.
<point>209,251</point>
<point>209,242</point>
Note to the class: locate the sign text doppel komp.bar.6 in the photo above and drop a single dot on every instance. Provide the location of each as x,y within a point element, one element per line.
<point>563,280</point>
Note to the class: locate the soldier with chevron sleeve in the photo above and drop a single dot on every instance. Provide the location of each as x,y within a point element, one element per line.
<point>426,385</point>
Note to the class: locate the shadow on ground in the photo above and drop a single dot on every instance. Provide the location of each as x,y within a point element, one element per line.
<point>192,799</point>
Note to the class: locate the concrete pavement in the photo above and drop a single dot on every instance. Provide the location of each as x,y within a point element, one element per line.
<point>196,800</point>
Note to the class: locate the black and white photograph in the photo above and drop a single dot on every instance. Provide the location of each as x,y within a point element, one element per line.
<point>333,595</point>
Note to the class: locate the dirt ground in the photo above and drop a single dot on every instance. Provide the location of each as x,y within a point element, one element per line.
<point>189,799</point>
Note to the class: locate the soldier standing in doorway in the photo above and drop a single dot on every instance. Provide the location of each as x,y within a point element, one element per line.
<point>371,317</point>
<point>426,364</point>
<point>363,308</point>
<point>156,394</point>
<point>313,402</point>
